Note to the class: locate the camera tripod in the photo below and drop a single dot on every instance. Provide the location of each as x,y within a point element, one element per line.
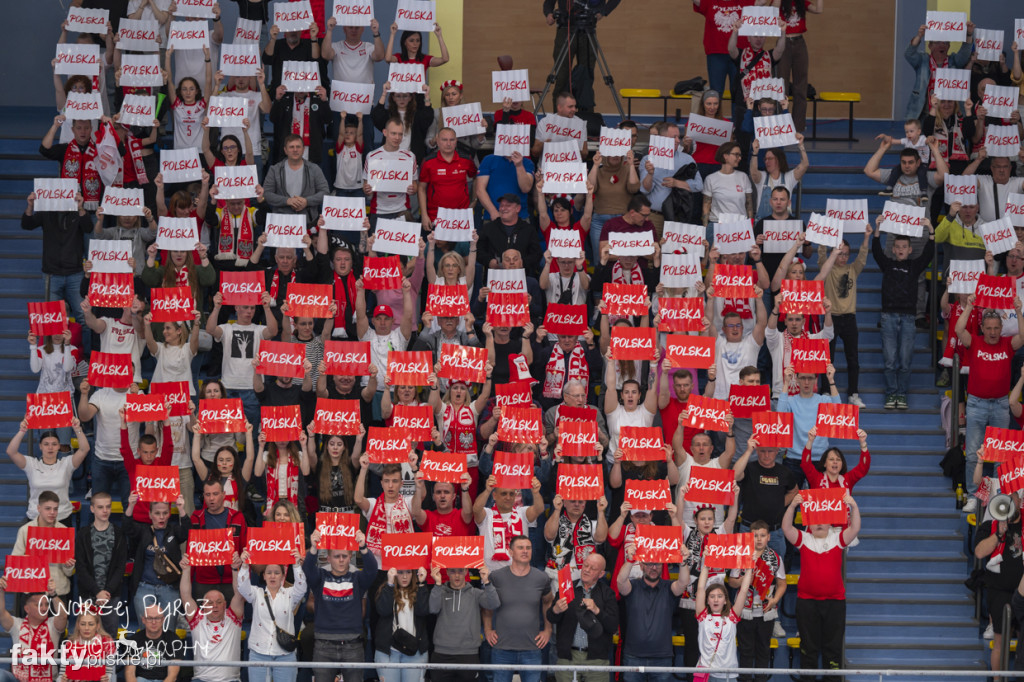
<point>590,31</point>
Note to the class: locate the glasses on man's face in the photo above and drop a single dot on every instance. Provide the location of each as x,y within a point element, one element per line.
<point>735,325</point>
<point>645,215</point>
<point>1014,256</point>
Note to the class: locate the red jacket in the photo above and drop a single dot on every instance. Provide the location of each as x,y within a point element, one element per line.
<point>212,575</point>
<point>141,512</point>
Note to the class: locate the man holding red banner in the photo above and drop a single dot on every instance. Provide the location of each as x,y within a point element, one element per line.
<point>384,336</point>
<point>700,456</point>
<point>60,573</point>
<point>504,520</point>
<point>804,407</point>
<point>444,520</point>
<point>821,593</point>
<point>780,344</point>
<point>37,634</point>
<point>388,513</point>
<point>215,515</point>
<point>584,624</point>
<point>990,357</point>
<point>147,456</point>
<point>569,358</point>
<point>766,487</point>
<point>216,628</point>
<point>574,532</point>
<point>574,406</point>
<point>457,633</point>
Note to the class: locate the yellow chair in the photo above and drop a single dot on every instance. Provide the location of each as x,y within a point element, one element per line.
<point>629,94</point>
<point>849,98</point>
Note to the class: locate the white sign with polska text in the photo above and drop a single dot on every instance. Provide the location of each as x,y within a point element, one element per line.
<point>662,152</point>
<point>122,201</point>
<point>510,138</point>
<point>176,234</point>
<point>293,16</point>
<point>398,237</point>
<point>195,9</point>
<point>948,27</point>
<point>1014,209</point>
<point>513,85</point>
<point>615,142</point>
<point>780,235</point>
<point>352,98</point>
<point>464,119</point>
<point>110,255</point>
<point>247,31</point>
<point>953,84</point>
<point>1000,100</point>
<point>564,243</point>
<point>344,213</point>
<point>353,12</point>
<point>631,243</point>
<point>961,188</point>
<point>141,70</point>
<point>963,275</point>
<point>54,194</point>
<point>999,235</point>
<point>1002,141</point>
<point>235,182</point>
<point>708,130</point>
<point>138,35</point>
<point>83,20</point>
<point>188,35</point>
<point>683,238</point>
<point>988,44</point>
<point>772,88</point>
<point>554,128</point>
<point>240,59</point>
<point>454,224</point>
<point>180,165</point>
<point>390,176</point>
<point>902,219</point>
<point>760,21</point>
<point>734,237</point>
<point>138,110</point>
<point>74,59</point>
<point>300,76</point>
<point>824,230</point>
<point>775,131</point>
<point>286,230</point>
<point>406,78</point>
<point>853,213</point>
<point>680,270</point>
<point>225,111</point>
<point>565,178</point>
<point>415,15</point>
<point>83,106</point>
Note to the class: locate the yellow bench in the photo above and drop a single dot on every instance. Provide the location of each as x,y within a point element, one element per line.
<point>630,94</point>
<point>1013,644</point>
<point>849,98</point>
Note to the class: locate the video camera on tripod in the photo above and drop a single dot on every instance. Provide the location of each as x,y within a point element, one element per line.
<point>581,15</point>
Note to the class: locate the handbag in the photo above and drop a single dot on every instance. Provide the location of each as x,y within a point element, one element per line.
<point>285,639</point>
<point>164,568</point>
<point>403,641</point>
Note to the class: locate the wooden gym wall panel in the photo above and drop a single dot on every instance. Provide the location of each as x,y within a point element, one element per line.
<point>654,43</point>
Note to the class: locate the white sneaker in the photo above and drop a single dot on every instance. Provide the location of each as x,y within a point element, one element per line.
<point>854,399</point>
<point>971,506</point>
<point>778,632</point>
<point>988,634</point>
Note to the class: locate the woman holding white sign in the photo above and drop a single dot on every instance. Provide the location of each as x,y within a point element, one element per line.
<point>411,44</point>
<point>727,191</point>
<point>776,174</point>
<point>189,105</point>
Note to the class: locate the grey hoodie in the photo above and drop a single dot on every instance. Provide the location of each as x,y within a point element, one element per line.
<point>458,622</point>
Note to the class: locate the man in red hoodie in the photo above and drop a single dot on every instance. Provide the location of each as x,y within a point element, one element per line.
<point>214,515</point>
<point>147,456</point>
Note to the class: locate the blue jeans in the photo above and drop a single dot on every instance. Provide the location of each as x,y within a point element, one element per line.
<point>260,674</point>
<point>166,596</point>
<point>982,412</point>
<point>777,541</point>
<point>250,405</point>
<point>898,332</point>
<point>721,66</point>
<point>394,674</point>
<point>597,222</point>
<point>68,288</point>
<point>110,477</point>
<point>512,659</point>
<point>650,662</point>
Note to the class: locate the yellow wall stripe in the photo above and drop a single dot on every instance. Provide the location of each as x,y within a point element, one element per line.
<point>449,17</point>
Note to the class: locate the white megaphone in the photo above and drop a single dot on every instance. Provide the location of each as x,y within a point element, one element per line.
<point>1001,507</point>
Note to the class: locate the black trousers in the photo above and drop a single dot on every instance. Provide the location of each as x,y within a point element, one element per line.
<point>686,625</point>
<point>455,675</point>
<point>845,327</point>
<point>754,639</point>
<point>822,625</point>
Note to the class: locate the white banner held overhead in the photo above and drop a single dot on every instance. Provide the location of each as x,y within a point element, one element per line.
<point>708,130</point>
<point>948,27</point>
<point>775,131</point>
<point>953,84</point>
<point>999,235</point>
<point>344,213</point>
<point>1014,209</point>
<point>141,70</point>
<point>565,178</point>
<point>385,175</point>
<point>1002,141</point>
<point>510,138</point>
<point>454,225</point>
<point>82,20</point>
<point>83,106</point>
<point>406,78</point>
<point>555,128</point>
<point>902,219</point>
<point>353,12</point>
<point>300,76</point>
<point>177,234</point>
<point>772,88</point>
<point>286,230</point>
<point>188,35</point>
<point>631,243</point>
<point>138,35</point>
<point>513,85</point>
<point>853,213</point>
<point>195,9</point>
<point>824,230</point>
<point>74,59</point>
<point>615,142</point>
<point>1018,32</point>
<point>247,32</point>
<point>1000,101</point>
<point>464,119</point>
<point>352,98</point>
<point>55,194</point>
<point>780,235</point>
<point>680,270</point>
<point>293,16</point>
<point>111,255</point>
<point>661,152</point>
<point>180,165</point>
<point>398,237</point>
<point>122,201</point>
<point>138,110</point>
<point>963,275</point>
<point>225,111</point>
<point>962,188</point>
<point>506,281</point>
<point>564,243</point>
<point>415,15</point>
<point>734,237</point>
<point>988,44</point>
<point>235,182</point>
<point>760,21</point>
<point>683,238</point>
<point>560,152</point>
<point>240,59</point>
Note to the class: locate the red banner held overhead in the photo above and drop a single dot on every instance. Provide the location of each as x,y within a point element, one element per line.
<point>172,304</point>
<point>387,445</point>
<point>210,547</point>
<point>417,420</point>
<point>564,319</point>
<point>658,544</point>
<point>838,421</point>
<point>176,392</point>
<point>1011,475</point>
<point>463,363</point>
<point>337,417</point>
<point>625,299</point>
<point>730,551</point>
<point>648,495</point>
<point>382,273</point>
<point>447,300</point>
<point>270,545</point>
<point>281,359</point>
<point>48,410</point>
<point>347,358</point>
<point>580,481</point>
<point>711,486</point>
<point>458,551</point>
<point>111,370</point>
<point>802,297</point>
<point>733,281</point>
<point>773,429</point>
<point>642,444</point>
<point>309,300</point>
<point>26,574</point>
<point>681,314</point>
<point>112,289</point>
<point>443,467</point>
<point>577,438</point>
<point>281,423</point>
<point>221,415</point>
<point>507,309</point>
<point>513,470</point>
<point>995,291</point>
<point>697,352</point>
<point>405,551</point>
<point>521,425</point>
<point>809,356</point>
<point>707,414</point>
<point>1002,445</point>
<point>338,530</point>
<point>244,287</point>
<point>409,367</point>
<point>48,318</point>
<point>156,483</point>
<point>823,506</point>
<point>746,400</point>
<point>139,407</point>
<point>514,393</point>
<point>634,343</point>
<point>55,545</point>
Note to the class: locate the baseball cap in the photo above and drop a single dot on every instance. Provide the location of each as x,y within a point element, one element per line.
<point>383,310</point>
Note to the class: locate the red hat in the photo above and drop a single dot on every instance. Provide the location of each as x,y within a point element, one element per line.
<point>518,369</point>
<point>451,83</point>
<point>383,310</point>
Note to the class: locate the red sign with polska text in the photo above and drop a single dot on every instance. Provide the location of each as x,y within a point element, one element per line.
<point>521,424</point>
<point>409,367</point>
<point>156,483</point>
<point>1011,475</point>
<point>507,309</point>
<point>802,297</point>
<point>772,429</point>
<point>733,281</point>
<point>347,358</point>
<point>111,370</point>
<point>707,414</point>
<point>221,415</point>
<point>112,289</point>
<point>1002,445</point>
<point>681,314</point>
<point>711,486</point>
<point>625,299</point>
<point>382,273</point>
<point>744,401</point>
<point>48,410</point>
<point>577,438</point>
<point>337,530</point>
<point>309,300</point>
<point>658,544</point>
<point>387,445</point>
<point>648,495</point>
<point>642,444</point>
<point>809,356</point>
<point>210,546</point>
<point>417,420</point>
<point>335,417</point>
<point>405,551</point>
<point>563,319</point>
<point>280,423</point>
<point>139,407</point>
<point>634,343</point>
<point>53,545</point>
<point>823,506</point>
<point>244,287</point>
<point>458,551</point>
<point>443,467</point>
<point>837,421</point>
<point>580,481</point>
<point>729,551</point>
<point>447,300</point>
<point>47,318</point>
<point>281,359</point>
<point>697,352</point>
<point>175,391</point>
<point>26,574</point>
<point>270,545</point>
<point>172,304</point>
<point>463,363</point>
<point>513,470</point>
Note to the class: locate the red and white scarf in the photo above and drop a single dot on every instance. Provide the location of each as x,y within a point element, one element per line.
<point>954,132</point>
<point>133,154</point>
<point>180,276</point>
<point>765,568</point>
<point>274,483</point>
<point>502,533</point>
<point>619,276</point>
<point>787,361</point>
<point>227,244</point>
<point>398,520</point>
<point>459,430</point>
<point>554,373</point>
<point>275,282</point>
<point>39,642</point>
<point>341,283</point>
<point>300,120</point>
<point>81,166</point>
